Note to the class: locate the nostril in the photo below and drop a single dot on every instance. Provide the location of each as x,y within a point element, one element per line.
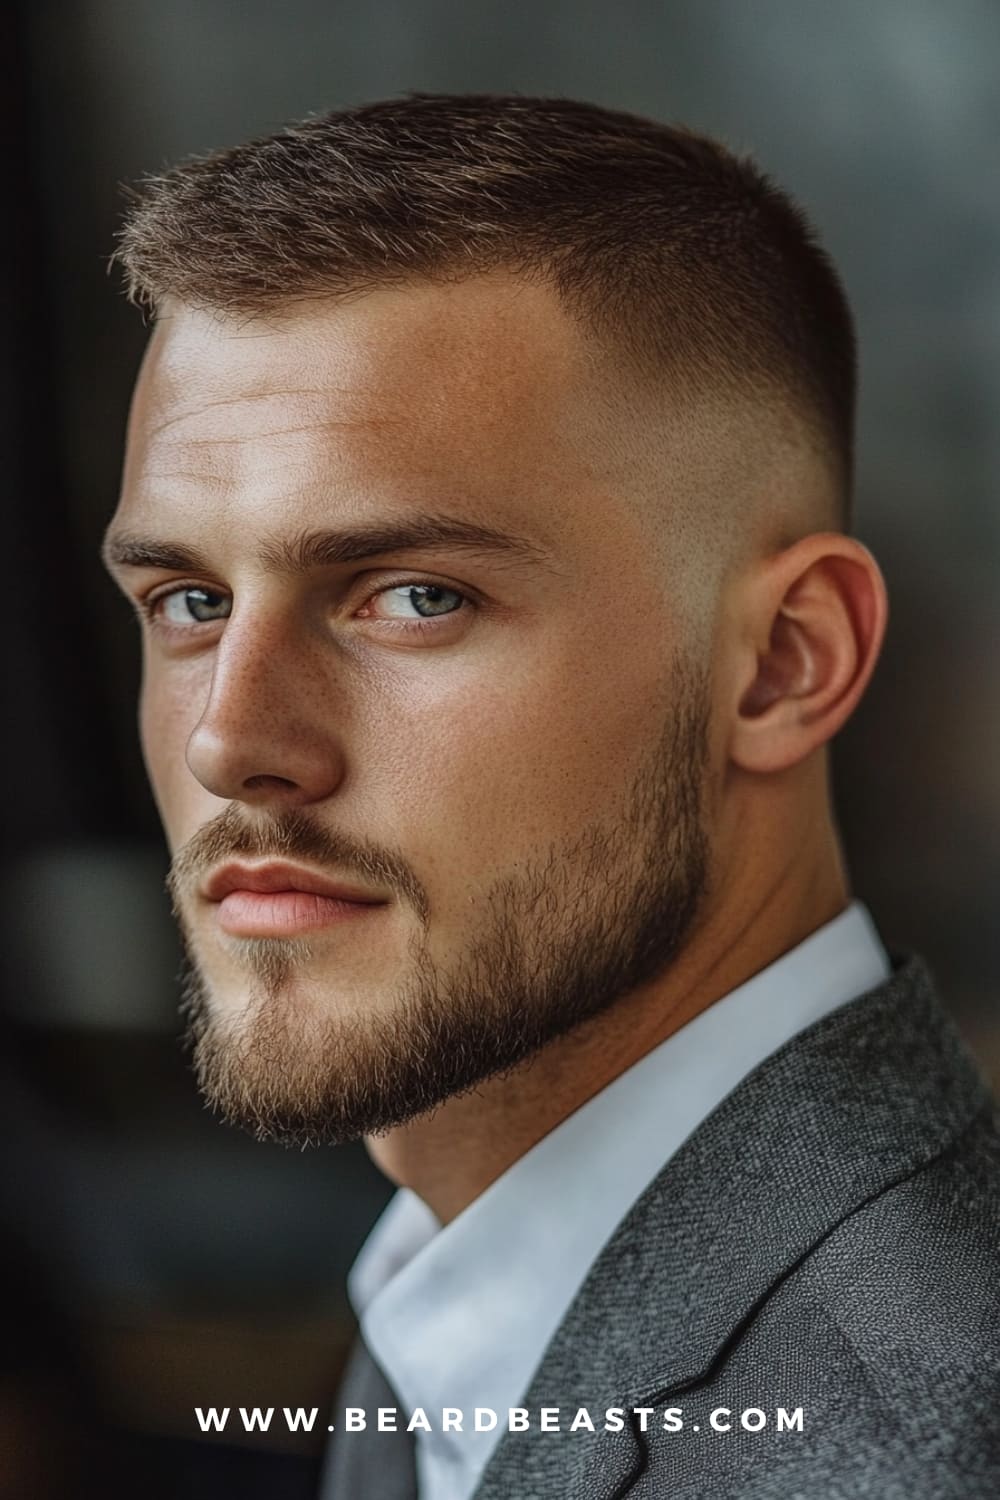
<point>249,762</point>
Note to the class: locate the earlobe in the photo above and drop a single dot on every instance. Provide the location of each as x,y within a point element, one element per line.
<point>817,619</point>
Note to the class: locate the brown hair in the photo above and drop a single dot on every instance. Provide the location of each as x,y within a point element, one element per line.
<point>679,252</point>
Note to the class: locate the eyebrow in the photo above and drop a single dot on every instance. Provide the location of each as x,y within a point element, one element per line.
<point>326,548</point>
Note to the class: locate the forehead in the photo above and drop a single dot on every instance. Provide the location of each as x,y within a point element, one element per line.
<point>486,387</point>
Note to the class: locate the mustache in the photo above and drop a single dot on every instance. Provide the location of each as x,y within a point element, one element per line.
<point>293,835</point>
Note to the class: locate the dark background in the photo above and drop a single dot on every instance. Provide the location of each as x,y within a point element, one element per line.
<point>156,1259</point>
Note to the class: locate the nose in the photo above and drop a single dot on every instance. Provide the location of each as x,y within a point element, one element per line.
<point>266,736</point>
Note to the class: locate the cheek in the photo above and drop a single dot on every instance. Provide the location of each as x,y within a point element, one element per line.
<point>168,712</point>
<point>507,762</point>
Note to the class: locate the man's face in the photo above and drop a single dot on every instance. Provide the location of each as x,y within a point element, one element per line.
<point>421,709</point>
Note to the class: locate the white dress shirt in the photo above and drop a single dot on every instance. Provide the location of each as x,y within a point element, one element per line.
<point>460,1316</point>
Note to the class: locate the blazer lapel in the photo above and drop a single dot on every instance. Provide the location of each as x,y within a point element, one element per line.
<point>854,1104</point>
<point>369,1463</point>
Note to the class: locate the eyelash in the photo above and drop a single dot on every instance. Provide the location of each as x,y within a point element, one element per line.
<point>148,606</point>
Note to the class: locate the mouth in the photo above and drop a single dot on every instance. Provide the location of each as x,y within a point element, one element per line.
<point>283,900</point>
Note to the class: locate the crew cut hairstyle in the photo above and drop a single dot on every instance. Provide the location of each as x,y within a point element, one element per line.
<point>684,256</point>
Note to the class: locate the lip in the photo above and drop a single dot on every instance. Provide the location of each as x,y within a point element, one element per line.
<point>280,900</point>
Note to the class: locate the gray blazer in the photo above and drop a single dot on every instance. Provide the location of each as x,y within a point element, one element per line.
<point>828,1239</point>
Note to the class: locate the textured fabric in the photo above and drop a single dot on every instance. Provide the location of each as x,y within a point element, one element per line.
<point>460,1316</point>
<point>826,1240</point>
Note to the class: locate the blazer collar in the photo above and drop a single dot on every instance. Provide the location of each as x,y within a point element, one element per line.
<point>856,1103</point>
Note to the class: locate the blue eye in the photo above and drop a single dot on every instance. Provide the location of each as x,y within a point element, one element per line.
<point>426,600</point>
<point>194,606</point>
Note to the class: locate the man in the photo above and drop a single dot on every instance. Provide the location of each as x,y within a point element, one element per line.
<point>485,508</point>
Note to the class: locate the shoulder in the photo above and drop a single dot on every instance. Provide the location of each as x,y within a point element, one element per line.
<point>912,1279</point>
<point>897,1314</point>
<point>883,1340</point>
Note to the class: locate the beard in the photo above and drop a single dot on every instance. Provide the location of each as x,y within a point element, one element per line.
<point>584,923</point>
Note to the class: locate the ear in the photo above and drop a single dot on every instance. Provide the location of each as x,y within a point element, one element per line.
<point>813,620</point>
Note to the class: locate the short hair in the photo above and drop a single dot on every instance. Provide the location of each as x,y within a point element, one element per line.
<point>684,255</point>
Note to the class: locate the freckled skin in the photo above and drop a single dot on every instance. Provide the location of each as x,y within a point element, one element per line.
<point>463,754</point>
<point>519,719</point>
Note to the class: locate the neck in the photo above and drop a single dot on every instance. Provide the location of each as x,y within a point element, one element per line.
<point>451,1155</point>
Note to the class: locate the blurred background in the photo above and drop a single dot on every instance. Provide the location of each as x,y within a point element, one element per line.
<point>157,1260</point>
